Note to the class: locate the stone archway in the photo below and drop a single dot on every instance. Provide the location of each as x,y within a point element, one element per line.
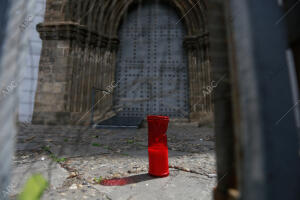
<point>79,52</point>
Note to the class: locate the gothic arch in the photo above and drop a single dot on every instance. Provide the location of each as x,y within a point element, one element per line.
<point>104,16</point>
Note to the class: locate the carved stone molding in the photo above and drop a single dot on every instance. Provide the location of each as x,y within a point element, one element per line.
<point>196,41</point>
<point>75,31</point>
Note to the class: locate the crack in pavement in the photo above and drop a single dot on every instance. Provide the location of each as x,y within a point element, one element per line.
<point>188,170</point>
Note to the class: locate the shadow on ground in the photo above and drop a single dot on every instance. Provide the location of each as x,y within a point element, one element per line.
<point>127,180</point>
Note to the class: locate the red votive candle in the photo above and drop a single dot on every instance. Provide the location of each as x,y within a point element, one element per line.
<point>157,145</point>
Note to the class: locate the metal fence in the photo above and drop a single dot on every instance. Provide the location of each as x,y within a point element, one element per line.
<point>13,53</point>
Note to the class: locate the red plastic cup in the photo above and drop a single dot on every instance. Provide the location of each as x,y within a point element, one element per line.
<point>158,146</point>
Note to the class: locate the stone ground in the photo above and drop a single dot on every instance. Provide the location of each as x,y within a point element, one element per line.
<point>72,157</point>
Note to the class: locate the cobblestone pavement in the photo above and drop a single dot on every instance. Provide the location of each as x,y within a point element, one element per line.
<point>73,159</point>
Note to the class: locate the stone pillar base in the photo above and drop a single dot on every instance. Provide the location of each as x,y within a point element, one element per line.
<point>51,118</point>
<point>61,118</point>
<point>202,118</point>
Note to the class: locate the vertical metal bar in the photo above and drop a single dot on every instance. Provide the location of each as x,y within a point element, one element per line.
<point>294,83</point>
<point>270,163</point>
<point>93,103</point>
<point>13,43</point>
<point>4,134</point>
<point>4,7</point>
<point>223,103</point>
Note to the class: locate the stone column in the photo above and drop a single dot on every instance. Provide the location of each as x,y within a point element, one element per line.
<point>54,74</point>
<point>199,77</point>
<point>70,55</point>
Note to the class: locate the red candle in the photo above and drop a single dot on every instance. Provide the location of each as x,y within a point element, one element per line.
<point>157,146</point>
